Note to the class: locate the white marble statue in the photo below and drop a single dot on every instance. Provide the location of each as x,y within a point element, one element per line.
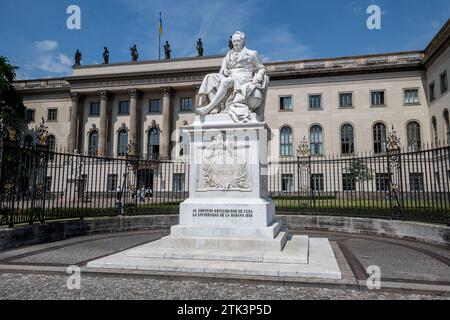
<point>240,87</point>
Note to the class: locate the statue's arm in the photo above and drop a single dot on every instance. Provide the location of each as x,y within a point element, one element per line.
<point>224,70</point>
<point>260,69</point>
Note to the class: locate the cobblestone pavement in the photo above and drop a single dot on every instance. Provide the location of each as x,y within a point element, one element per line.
<point>42,286</point>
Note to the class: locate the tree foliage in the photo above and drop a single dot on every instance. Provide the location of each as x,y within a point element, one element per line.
<point>359,171</point>
<point>12,109</point>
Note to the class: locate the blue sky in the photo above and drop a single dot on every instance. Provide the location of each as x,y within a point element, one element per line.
<point>33,34</point>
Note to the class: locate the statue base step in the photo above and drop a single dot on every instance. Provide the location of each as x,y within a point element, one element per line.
<point>302,257</point>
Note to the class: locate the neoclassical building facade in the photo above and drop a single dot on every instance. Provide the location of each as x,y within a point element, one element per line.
<point>341,105</point>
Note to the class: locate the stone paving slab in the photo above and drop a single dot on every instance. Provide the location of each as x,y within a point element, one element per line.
<point>397,262</point>
<point>84,251</point>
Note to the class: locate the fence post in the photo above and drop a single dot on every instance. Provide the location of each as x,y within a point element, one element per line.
<point>8,216</point>
<point>394,172</point>
<point>304,173</point>
<point>132,158</point>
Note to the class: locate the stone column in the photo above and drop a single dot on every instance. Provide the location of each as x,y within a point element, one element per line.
<point>166,128</point>
<point>103,121</point>
<point>73,134</point>
<point>133,114</point>
<point>196,87</point>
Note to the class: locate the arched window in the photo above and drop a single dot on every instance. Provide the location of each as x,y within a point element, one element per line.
<point>153,143</point>
<point>93,144</point>
<point>28,142</point>
<point>122,143</point>
<point>347,139</point>
<point>447,125</point>
<point>286,141</point>
<point>379,138</point>
<point>413,136</point>
<point>316,140</point>
<point>51,144</point>
<point>435,130</point>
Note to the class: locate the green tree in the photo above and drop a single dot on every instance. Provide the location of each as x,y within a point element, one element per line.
<point>359,171</point>
<point>12,109</point>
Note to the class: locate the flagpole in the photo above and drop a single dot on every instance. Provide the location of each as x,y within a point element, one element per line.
<point>159,32</point>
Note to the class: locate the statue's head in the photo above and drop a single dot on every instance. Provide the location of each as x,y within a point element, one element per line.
<point>238,40</point>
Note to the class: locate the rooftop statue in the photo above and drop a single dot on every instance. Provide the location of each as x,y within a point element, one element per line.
<point>105,55</point>
<point>78,58</point>
<point>134,54</point>
<point>200,47</point>
<point>167,50</point>
<point>240,87</point>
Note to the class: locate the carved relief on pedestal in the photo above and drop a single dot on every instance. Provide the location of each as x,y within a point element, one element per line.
<point>222,168</point>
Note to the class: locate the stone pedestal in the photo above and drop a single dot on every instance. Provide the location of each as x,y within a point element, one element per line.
<point>228,224</point>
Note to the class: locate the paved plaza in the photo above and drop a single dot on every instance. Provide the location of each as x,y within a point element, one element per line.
<point>409,270</point>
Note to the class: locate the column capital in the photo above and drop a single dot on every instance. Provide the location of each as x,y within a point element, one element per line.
<point>196,87</point>
<point>166,91</point>
<point>134,93</point>
<point>75,96</point>
<point>104,94</point>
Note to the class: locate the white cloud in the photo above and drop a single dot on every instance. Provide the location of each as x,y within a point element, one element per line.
<point>43,60</point>
<point>55,63</point>
<point>46,45</point>
<point>281,44</point>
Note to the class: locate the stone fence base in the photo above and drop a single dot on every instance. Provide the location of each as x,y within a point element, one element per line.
<point>60,230</point>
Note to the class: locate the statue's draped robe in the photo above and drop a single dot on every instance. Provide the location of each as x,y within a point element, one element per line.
<point>249,89</point>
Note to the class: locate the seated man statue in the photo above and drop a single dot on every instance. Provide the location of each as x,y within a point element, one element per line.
<point>239,88</point>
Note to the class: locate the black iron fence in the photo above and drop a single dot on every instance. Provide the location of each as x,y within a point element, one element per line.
<point>38,185</point>
<point>393,185</point>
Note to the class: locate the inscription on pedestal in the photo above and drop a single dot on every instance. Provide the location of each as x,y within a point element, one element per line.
<point>223,213</point>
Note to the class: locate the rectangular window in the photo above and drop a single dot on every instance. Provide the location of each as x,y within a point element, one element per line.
<point>377,98</point>
<point>431,91</point>
<point>154,106</point>
<point>346,100</point>
<point>287,183</point>
<point>411,96</point>
<point>444,82</point>
<point>124,107</point>
<point>285,103</point>
<point>84,182</point>
<point>112,182</point>
<point>382,181</point>
<point>178,182</point>
<point>29,115</point>
<point>315,101</point>
<point>317,182</point>
<point>348,182</point>
<point>52,115</point>
<point>48,184</point>
<point>94,109</point>
<point>437,180</point>
<point>186,104</point>
<point>416,181</point>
